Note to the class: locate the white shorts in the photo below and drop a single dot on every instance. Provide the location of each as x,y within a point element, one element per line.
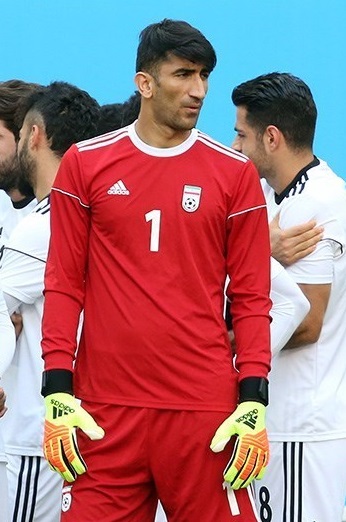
<point>3,492</point>
<point>34,490</point>
<point>304,482</point>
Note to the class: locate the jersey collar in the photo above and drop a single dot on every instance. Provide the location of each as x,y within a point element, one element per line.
<point>298,182</point>
<point>161,152</point>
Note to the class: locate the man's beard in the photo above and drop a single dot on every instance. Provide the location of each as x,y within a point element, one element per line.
<point>9,173</point>
<point>27,167</point>
<point>11,177</point>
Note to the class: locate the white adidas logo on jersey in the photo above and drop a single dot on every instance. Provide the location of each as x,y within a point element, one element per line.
<point>118,189</point>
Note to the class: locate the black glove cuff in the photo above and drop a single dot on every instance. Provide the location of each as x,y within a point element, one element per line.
<point>254,389</point>
<point>55,381</point>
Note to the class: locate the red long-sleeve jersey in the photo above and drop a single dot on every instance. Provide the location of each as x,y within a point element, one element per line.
<point>142,240</point>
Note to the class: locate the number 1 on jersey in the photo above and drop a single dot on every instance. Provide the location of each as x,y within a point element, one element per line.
<point>155,217</point>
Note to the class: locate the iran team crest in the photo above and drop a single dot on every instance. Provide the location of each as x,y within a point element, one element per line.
<point>66,498</point>
<point>191,198</point>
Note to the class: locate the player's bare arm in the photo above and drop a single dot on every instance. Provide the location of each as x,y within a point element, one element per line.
<point>294,243</point>
<point>309,330</point>
<point>3,408</point>
<point>17,322</point>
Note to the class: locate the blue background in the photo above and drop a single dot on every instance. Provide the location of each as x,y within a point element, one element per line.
<point>93,45</point>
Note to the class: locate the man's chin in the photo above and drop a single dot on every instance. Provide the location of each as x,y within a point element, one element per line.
<point>6,185</point>
<point>25,188</point>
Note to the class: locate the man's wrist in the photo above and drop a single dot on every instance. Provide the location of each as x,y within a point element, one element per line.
<point>57,381</point>
<point>254,389</point>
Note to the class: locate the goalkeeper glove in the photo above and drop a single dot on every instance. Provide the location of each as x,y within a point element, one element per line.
<point>251,451</point>
<point>63,416</point>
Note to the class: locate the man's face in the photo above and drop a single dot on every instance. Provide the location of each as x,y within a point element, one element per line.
<point>9,167</point>
<point>26,161</point>
<point>250,142</point>
<point>179,88</point>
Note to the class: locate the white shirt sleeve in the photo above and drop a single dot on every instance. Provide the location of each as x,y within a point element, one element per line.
<point>7,337</point>
<point>12,303</point>
<point>290,306</point>
<point>24,260</point>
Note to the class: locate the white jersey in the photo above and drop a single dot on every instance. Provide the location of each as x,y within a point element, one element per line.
<point>290,306</point>
<point>7,347</point>
<point>10,215</point>
<point>5,207</point>
<point>308,384</point>
<point>22,277</point>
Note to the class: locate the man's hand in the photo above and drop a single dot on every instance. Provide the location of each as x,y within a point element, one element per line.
<point>3,408</point>
<point>17,322</point>
<point>294,243</point>
<point>63,416</point>
<point>251,451</point>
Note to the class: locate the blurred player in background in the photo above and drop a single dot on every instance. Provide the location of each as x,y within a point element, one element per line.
<point>54,117</point>
<point>7,347</point>
<point>113,116</point>
<point>16,196</point>
<point>16,201</point>
<point>306,478</point>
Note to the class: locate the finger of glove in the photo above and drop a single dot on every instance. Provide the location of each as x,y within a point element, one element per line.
<point>87,424</point>
<point>222,435</point>
<point>253,476</point>
<point>57,463</point>
<point>245,464</point>
<point>61,451</point>
<point>261,473</point>
<point>50,465</point>
<point>75,457</point>
<point>252,449</point>
<point>66,475</point>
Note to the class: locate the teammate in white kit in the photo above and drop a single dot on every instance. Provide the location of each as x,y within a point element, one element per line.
<point>306,478</point>
<point>16,201</point>
<point>55,117</point>
<point>16,196</point>
<point>7,347</point>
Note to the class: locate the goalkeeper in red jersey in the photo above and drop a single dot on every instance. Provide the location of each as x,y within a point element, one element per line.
<point>147,223</point>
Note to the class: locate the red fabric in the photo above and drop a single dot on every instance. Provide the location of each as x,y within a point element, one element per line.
<point>154,333</point>
<point>148,453</point>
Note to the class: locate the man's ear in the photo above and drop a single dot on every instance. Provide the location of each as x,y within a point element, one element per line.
<point>36,135</point>
<point>272,137</point>
<point>145,84</point>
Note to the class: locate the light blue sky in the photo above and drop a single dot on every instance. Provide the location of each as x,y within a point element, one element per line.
<point>92,43</point>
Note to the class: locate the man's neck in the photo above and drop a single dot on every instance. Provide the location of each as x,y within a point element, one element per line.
<point>287,168</point>
<point>47,167</point>
<point>159,136</point>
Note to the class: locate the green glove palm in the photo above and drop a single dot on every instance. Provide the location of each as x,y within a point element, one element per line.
<point>63,416</point>
<point>251,451</point>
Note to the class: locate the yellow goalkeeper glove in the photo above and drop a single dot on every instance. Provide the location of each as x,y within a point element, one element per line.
<point>251,451</point>
<point>63,416</point>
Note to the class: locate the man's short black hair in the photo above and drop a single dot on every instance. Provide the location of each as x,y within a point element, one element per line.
<point>68,113</point>
<point>12,94</point>
<point>279,99</point>
<point>175,37</point>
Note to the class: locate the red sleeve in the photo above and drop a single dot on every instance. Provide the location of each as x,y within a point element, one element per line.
<point>248,264</point>
<point>64,281</point>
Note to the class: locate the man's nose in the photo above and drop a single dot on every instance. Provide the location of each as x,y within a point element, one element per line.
<point>199,88</point>
<point>236,145</point>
